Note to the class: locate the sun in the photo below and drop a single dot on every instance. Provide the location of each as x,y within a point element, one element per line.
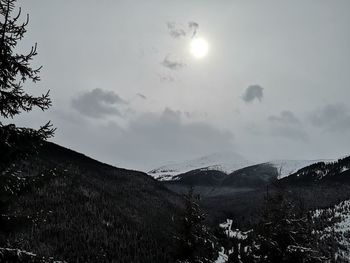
<point>199,47</point>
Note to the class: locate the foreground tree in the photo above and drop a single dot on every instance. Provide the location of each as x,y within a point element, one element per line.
<point>195,243</point>
<point>15,70</point>
<point>284,234</point>
<point>16,142</point>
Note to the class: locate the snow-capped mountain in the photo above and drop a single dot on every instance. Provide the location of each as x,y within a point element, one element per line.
<point>227,162</point>
<point>288,167</point>
<point>224,161</point>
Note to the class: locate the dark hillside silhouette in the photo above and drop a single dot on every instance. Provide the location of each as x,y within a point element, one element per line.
<point>72,207</point>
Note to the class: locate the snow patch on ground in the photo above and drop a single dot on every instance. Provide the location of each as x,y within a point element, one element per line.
<point>344,169</point>
<point>340,212</point>
<point>17,252</point>
<point>237,234</point>
<point>222,258</point>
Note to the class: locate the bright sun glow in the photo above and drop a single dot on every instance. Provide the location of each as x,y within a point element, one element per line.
<point>199,47</point>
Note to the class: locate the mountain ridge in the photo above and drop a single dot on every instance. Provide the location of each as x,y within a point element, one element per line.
<point>227,162</point>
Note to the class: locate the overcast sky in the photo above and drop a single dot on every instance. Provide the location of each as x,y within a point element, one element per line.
<point>126,90</point>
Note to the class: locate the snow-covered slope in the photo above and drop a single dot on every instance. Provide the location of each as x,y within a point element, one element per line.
<point>338,229</point>
<point>288,167</point>
<point>225,161</point>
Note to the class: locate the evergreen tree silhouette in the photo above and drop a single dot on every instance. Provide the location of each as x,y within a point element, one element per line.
<point>17,142</point>
<point>195,242</point>
<point>284,233</point>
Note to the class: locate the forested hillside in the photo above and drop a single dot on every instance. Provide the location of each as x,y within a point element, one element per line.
<point>65,205</point>
<point>321,173</point>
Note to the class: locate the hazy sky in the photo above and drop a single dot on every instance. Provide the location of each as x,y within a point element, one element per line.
<point>126,90</point>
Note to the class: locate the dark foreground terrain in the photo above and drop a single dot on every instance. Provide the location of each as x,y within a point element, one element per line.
<point>62,205</point>
<point>65,206</point>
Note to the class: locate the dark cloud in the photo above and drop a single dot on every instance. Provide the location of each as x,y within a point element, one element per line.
<point>158,138</point>
<point>253,92</point>
<point>98,103</point>
<point>287,125</point>
<point>172,64</point>
<point>150,140</point>
<point>285,117</point>
<point>332,117</point>
<point>193,27</point>
<point>165,78</point>
<point>141,96</point>
<point>175,31</point>
<point>195,114</point>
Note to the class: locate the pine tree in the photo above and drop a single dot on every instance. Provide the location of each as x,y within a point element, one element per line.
<point>17,142</point>
<point>195,243</point>
<point>284,233</point>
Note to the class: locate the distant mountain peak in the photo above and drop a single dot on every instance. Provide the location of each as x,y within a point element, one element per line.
<point>288,167</point>
<point>225,161</point>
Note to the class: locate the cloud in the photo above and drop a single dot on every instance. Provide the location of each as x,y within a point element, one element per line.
<point>193,27</point>
<point>158,138</point>
<point>177,31</point>
<point>98,103</point>
<point>253,92</point>
<point>285,117</point>
<point>195,114</point>
<point>174,31</point>
<point>331,117</point>
<point>151,139</point>
<point>141,96</point>
<point>165,77</point>
<point>172,64</point>
<point>287,125</point>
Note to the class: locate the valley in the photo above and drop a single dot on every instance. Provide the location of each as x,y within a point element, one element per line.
<point>95,211</point>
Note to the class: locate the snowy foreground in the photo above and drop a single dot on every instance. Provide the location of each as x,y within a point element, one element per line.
<point>222,257</point>
<point>339,228</point>
<point>237,234</point>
